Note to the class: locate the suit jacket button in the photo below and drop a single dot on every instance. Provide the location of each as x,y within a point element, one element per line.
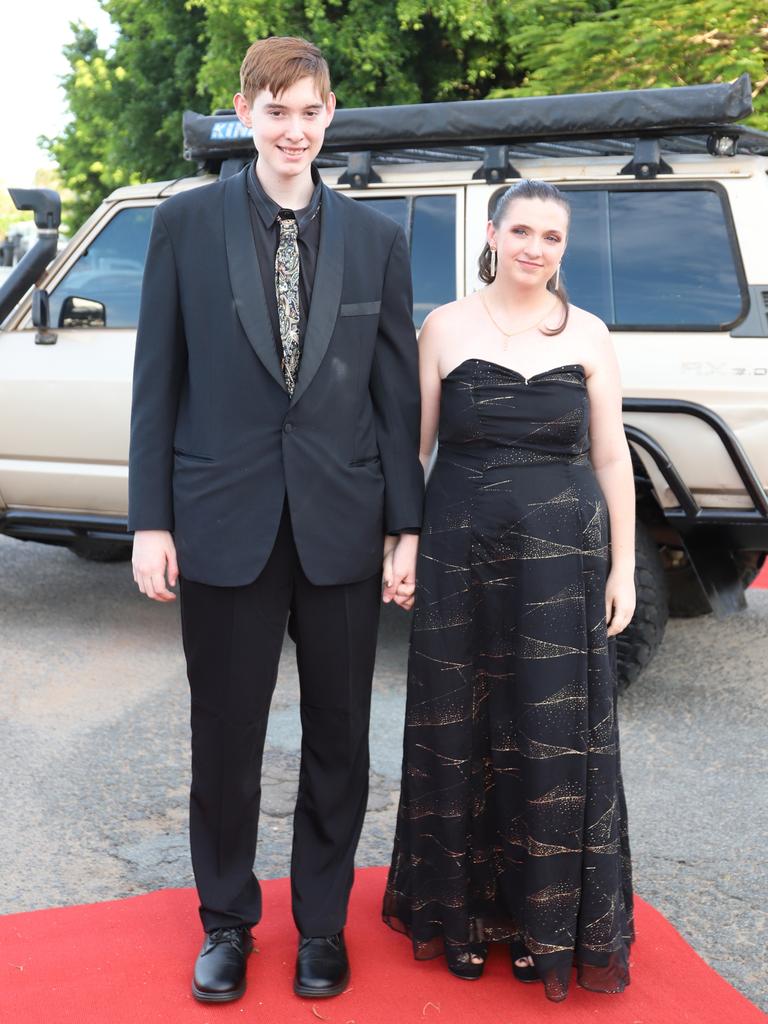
<point>288,428</point>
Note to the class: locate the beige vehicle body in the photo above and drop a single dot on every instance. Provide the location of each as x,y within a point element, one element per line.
<point>65,390</point>
<point>64,408</point>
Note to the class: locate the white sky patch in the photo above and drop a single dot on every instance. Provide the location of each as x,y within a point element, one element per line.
<point>32,101</point>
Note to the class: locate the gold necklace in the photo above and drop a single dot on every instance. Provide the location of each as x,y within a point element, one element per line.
<point>511,334</point>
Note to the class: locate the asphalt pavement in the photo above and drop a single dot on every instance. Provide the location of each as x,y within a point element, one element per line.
<point>95,739</point>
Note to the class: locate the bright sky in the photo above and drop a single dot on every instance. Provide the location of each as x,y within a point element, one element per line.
<point>31,64</point>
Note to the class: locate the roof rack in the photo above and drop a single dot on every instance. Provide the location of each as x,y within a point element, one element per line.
<point>693,118</point>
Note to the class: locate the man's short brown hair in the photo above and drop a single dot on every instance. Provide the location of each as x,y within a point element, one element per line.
<point>279,62</point>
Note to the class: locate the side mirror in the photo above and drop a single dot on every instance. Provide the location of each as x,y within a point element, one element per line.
<point>79,312</point>
<point>41,317</point>
<point>40,308</point>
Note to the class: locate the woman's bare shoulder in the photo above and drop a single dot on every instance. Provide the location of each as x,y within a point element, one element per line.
<point>446,323</point>
<point>590,333</point>
<point>590,338</point>
<point>583,319</point>
<point>446,315</point>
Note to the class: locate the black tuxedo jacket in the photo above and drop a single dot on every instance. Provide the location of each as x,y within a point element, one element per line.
<point>216,440</point>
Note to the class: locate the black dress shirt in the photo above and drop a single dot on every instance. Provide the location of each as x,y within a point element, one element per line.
<point>266,234</point>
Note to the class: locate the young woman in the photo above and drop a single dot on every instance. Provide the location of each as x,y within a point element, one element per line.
<point>512,824</point>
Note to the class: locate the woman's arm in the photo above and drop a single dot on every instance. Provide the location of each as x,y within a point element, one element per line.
<point>431,386</point>
<point>400,553</point>
<point>613,468</point>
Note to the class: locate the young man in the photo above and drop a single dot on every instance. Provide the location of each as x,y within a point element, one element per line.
<point>274,444</point>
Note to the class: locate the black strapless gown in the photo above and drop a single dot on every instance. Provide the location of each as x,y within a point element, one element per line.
<point>512,823</point>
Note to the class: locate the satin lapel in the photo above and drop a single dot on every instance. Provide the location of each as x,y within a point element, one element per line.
<point>245,277</point>
<point>326,290</point>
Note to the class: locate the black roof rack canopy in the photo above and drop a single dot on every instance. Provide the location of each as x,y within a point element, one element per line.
<point>675,110</point>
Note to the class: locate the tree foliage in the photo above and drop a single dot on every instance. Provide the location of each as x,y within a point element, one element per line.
<point>174,54</point>
<point>650,43</point>
<point>127,103</point>
<point>81,150</point>
<point>407,51</point>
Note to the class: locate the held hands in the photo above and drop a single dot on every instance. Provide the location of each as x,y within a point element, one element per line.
<point>619,600</point>
<point>153,553</point>
<point>399,569</point>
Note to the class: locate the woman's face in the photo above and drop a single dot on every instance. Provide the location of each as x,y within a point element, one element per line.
<point>530,241</point>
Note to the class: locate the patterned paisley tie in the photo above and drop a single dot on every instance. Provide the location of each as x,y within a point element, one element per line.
<point>287,292</point>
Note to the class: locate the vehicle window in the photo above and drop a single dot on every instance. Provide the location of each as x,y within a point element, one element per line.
<point>433,254</point>
<point>586,266</point>
<point>652,257</point>
<point>429,223</point>
<point>399,210</point>
<point>110,269</point>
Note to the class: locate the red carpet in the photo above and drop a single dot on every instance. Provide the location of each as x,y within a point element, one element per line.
<point>761,582</point>
<point>128,962</point>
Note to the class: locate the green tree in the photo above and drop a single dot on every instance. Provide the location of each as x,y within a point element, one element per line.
<point>648,43</point>
<point>82,147</point>
<point>127,104</point>
<point>361,39</point>
<point>470,49</point>
<point>409,51</point>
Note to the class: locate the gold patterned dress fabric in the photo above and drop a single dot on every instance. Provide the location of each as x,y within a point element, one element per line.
<point>512,823</point>
<point>287,292</point>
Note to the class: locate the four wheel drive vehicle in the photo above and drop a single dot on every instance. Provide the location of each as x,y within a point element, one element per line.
<point>669,201</point>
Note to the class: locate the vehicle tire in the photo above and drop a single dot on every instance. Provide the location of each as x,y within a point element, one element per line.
<point>685,598</point>
<point>641,639</point>
<point>101,550</point>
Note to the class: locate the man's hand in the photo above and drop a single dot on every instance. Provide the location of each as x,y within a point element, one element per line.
<point>153,553</point>
<point>399,570</point>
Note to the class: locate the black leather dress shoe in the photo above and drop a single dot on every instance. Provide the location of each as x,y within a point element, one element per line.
<point>322,967</point>
<point>220,967</point>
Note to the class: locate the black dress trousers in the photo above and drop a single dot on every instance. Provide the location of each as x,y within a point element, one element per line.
<point>232,641</point>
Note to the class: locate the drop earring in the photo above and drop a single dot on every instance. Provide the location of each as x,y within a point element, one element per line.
<point>493,263</point>
<point>557,277</point>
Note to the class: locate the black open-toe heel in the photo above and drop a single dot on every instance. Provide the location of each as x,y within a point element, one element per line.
<point>517,950</point>
<point>460,963</point>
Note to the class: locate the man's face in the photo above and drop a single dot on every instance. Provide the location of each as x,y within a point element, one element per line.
<point>288,129</point>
